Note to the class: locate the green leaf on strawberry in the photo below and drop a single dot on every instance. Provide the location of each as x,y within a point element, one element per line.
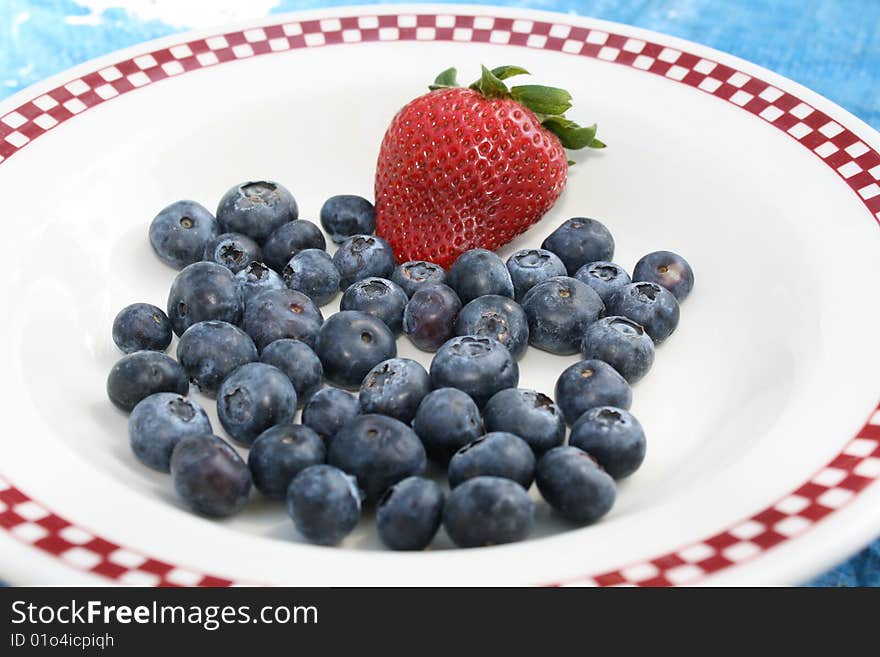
<point>571,135</point>
<point>490,85</point>
<point>446,80</point>
<point>549,103</point>
<point>504,72</point>
<point>542,100</point>
<point>473,166</point>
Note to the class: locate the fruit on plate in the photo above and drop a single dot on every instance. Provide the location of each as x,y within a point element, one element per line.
<point>279,454</point>
<point>378,451</point>
<point>253,398</point>
<point>395,388</point>
<point>378,297</point>
<point>612,436</point>
<point>528,267</point>
<point>488,510</point>
<point>137,376</point>
<point>476,365</point>
<point>233,250</point>
<point>159,422</point>
<point>350,344</point>
<point>429,316</point>
<point>497,454</point>
<point>329,410</point>
<point>622,343</point>
<point>253,335</point>
<point>590,383</point>
<point>210,476</point>
<point>447,420</point>
<point>414,274</point>
<point>312,272</point>
<point>409,514</point>
<point>575,485</point>
<point>494,316</point>
<point>299,362</point>
<point>256,209</point>
<point>210,351</point>
<point>324,504</point>
<point>668,270</point>
<point>471,167</point>
<point>529,414</point>
<point>141,326</point>
<point>346,215</point>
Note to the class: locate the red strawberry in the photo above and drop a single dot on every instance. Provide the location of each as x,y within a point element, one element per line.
<point>464,168</point>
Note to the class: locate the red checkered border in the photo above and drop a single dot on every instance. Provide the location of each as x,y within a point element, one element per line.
<point>858,165</point>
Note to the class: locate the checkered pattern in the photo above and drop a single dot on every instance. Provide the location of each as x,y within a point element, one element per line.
<point>829,489</point>
<point>33,524</point>
<point>841,149</point>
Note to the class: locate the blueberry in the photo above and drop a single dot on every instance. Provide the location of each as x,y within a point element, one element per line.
<point>529,267</point>
<point>447,420</point>
<point>587,384</point>
<point>144,373</point>
<point>413,274</point>
<point>648,304</point>
<point>478,366</point>
<point>209,351</point>
<point>279,454</point>
<point>409,514</point>
<point>324,503</point>
<point>159,422</point>
<point>203,291</point>
<point>233,250</point>
<point>141,326</point>
<point>613,437</point>
<point>256,209</point>
<point>312,272</point>
<point>378,297</point>
<point>621,343</point>
<point>494,316</point>
<point>346,215</point>
<point>379,451</point>
<point>530,415</point>
<point>256,278</point>
<point>253,398</point>
<point>328,410</point>
<point>559,310</point>
<point>578,241</point>
<point>299,363</point>
<point>497,454</point>
<point>574,485</point>
<point>289,239</point>
<point>210,476</point>
<point>350,344</point>
<point>277,314</point>
<point>479,272</point>
<point>395,387</point>
<point>668,270</point>
<point>363,256</point>
<point>429,317</point>
<point>604,277</point>
<point>488,511</point>
<point>180,232</point>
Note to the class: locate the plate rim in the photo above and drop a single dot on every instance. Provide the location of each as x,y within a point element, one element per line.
<point>625,40</point>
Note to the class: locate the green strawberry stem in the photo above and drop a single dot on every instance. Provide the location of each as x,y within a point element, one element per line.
<point>549,103</point>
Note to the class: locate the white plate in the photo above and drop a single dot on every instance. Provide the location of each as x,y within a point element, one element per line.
<point>760,464</point>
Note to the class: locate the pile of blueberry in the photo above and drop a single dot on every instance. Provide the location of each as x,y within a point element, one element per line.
<point>246,307</point>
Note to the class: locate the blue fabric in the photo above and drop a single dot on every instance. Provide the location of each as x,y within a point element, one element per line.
<point>831,46</point>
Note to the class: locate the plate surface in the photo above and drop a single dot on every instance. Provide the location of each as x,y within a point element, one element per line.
<point>761,411</point>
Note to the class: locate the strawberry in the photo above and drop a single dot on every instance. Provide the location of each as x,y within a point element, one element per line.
<point>472,167</point>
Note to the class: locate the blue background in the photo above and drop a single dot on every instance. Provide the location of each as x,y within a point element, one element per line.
<point>831,46</point>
